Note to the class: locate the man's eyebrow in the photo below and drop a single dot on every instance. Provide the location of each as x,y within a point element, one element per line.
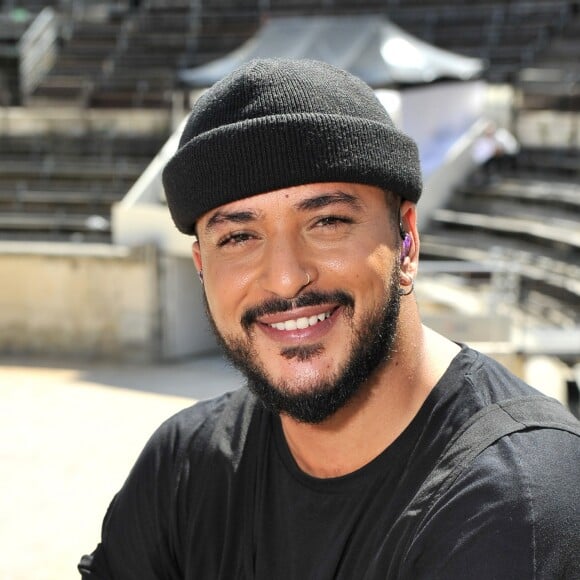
<point>326,199</point>
<point>315,202</point>
<point>237,217</point>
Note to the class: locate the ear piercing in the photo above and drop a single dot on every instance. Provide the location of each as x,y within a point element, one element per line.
<point>200,274</point>
<point>409,291</point>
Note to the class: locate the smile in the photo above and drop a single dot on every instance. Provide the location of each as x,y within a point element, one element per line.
<point>301,323</point>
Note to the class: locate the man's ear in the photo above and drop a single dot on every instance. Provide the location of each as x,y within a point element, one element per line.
<point>409,226</point>
<point>196,254</point>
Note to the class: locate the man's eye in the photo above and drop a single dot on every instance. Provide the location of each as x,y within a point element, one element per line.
<point>333,220</point>
<point>234,239</point>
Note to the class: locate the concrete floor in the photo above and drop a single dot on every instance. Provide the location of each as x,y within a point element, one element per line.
<point>69,434</point>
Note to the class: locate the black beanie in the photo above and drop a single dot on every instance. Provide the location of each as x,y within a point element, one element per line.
<point>277,123</point>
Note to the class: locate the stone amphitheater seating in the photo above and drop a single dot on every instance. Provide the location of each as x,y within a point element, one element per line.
<point>61,187</point>
<point>507,35</point>
<point>527,213</point>
<point>553,80</point>
<point>129,59</point>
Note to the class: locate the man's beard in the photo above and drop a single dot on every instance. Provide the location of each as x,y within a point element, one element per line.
<point>372,345</point>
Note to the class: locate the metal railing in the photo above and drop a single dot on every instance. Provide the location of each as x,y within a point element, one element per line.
<point>37,50</point>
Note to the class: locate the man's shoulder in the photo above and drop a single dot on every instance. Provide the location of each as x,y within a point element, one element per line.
<point>540,455</point>
<point>513,513</point>
<point>525,429</point>
<point>509,510</point>
<point>533,476</point>
<point>533,469</point>
<point>493,380</point>
<point>509,446</point>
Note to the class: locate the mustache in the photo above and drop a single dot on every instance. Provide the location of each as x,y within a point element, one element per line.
<point>277,305</point>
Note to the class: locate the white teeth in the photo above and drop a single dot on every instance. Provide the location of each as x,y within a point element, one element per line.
<point>300,323</point>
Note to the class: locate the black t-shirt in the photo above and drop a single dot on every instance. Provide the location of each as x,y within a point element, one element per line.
<point>216,494</point>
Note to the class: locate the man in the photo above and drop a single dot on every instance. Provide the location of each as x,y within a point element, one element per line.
<point>366,446</point>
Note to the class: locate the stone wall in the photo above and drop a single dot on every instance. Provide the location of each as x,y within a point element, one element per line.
<point>99,302</point>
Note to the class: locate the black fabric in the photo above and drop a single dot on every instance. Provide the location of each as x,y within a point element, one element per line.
<point>216,494</point>
<point>482,430</point>
<point>276,123</point>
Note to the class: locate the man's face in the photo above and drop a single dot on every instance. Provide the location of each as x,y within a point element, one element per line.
<point>302,289</point>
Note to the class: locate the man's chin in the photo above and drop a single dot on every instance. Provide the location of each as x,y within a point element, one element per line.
<point>304,402</point>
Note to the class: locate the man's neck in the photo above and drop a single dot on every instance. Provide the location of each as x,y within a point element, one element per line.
<point>377,415</point>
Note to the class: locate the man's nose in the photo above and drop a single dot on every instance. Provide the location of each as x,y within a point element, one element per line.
<point>286,269</point>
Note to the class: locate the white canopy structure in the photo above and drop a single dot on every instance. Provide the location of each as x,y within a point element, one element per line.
<point>369,46</point>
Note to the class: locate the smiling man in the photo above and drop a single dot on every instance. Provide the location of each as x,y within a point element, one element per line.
<point>302,281</point>
<point>365,446</point>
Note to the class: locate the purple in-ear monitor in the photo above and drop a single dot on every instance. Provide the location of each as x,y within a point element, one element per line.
<point>405,246</point>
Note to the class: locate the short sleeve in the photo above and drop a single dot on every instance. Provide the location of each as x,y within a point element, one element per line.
<point>138,533</point>
<point>172,515</point>
<point>513,514</point>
